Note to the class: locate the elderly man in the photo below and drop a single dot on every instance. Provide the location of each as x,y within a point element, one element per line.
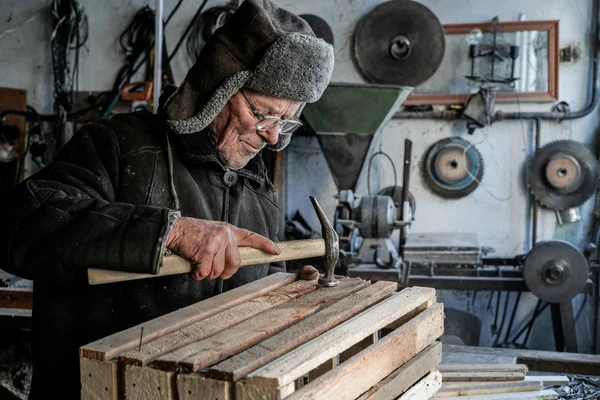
<point>125,191</point>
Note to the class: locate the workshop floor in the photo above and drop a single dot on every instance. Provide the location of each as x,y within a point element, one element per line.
<point>15,367</point>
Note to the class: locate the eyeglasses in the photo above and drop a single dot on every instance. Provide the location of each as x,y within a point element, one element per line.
<point>267,122</point>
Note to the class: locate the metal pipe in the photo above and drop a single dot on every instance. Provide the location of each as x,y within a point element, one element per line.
<point>534,205</point>
<point>158,51</point>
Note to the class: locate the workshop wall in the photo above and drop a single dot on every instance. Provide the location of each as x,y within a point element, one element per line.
<point>496,211</point>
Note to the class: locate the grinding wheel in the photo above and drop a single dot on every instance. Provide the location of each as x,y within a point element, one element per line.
<point>400,42</point>
<point>555,271</point>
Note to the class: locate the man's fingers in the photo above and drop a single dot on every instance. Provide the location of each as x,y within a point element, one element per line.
<point>233,261</point>
<point>247,238</point>
<point>218,264</point>
<point>202,268</point>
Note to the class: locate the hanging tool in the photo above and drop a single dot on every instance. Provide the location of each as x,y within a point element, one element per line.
<point>327,246</point>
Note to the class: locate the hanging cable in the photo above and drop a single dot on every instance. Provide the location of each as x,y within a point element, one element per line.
<point>173,12</point>
<point>204,27</point>
<point>187,30</point>
<point>136,40</point>
<point>381,153</point>
<point>70,33</point>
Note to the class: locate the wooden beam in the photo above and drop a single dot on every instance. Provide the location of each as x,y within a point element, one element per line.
<point>194,387</point>
<point>98,380</point>
<point>470,376</point>
<point>406,376</point>
<point>240,365</point>
<point>245,391</point>
<point>367,368</point>
<point>539,395</point>
<point>549,380</point>
<point>456,389</point>
<point>215,323</point>
<point>300,361</point>
<point>522,368</point>
<point>111,346</point>
<point>206,352</point>
<point>543,361</point>
<point>449,357</point>
<point>16,298</point>
<point>148,384</point>
<point>425,388</point>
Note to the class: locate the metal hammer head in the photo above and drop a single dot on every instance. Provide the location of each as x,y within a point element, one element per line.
<point>332,246</point>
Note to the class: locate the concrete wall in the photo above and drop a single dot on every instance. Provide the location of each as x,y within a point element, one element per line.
<point>497,211</point>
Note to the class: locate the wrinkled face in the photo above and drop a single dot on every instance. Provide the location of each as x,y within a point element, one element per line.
<point>234,128</point>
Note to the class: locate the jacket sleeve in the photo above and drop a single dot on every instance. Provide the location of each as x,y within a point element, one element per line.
<point>65,218</point>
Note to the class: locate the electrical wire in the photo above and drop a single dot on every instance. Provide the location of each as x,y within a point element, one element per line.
<point>136,41</point>
<point>187,30</point>
<point>381,153</point>
<point>173,12</point>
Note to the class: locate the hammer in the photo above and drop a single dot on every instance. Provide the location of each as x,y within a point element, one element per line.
<point>327,246</point>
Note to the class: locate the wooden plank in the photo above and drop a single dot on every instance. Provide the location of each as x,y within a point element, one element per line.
<point>209,326</point>
<point>206,352</point>
<point>373,364</point>
<point>425,388</point>
<point>443,368</point>
<point>240,365</point>
<point>148,384</point>
<point>549,380</point>
<point>449,357</point>
<point>98,380</point>
<point>539,395</point>
<point>111,346</point>
<point>406,376</point>
<point>314,353</point>
<point>246,391</point>
<point>16,298</point>
<point>193,386</point>
<point>470,376</point>
<point>543,361</point>
<point>479,388</point>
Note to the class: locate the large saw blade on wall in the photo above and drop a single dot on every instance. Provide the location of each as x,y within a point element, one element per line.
<point>562,174</point>
<point>452,168</point>
<point>555,271</point>
<point>400,42</point>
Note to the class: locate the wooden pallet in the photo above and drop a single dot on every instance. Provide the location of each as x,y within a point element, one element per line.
<point>276,338</point>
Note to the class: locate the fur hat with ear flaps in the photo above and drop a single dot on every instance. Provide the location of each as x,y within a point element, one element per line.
<point>261,47</point>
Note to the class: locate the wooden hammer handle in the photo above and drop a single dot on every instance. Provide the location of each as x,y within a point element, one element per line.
<point>173,265</point>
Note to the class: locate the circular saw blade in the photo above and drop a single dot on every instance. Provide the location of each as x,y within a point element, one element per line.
<point>400,42</point>
<point>562,175</point>
<point>555,271</point>
<point>452,168</point>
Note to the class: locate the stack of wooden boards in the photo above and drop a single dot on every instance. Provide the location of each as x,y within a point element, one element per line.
<point>277,338</point>
<point>495,381</point>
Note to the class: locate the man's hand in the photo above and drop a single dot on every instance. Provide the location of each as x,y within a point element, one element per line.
<point>213,246</point>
